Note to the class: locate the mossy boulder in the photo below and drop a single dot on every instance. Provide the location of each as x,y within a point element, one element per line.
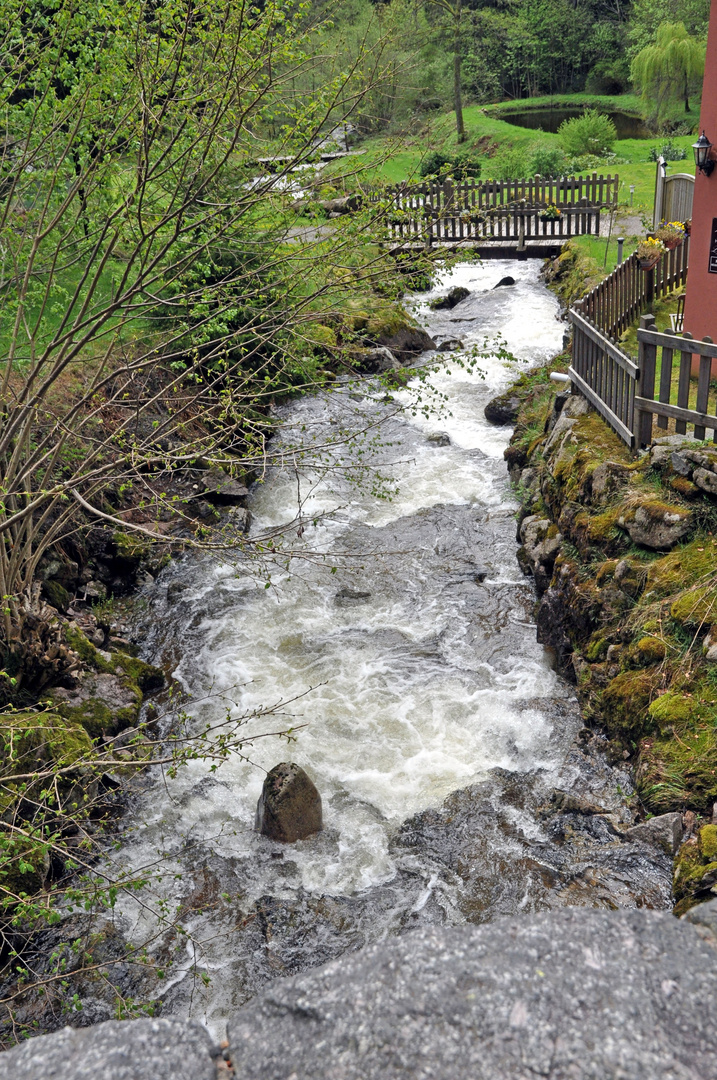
<point>56,594</point>
<point>108,694</point>
<point>32,740</point>
<point>656,524</point>
<point>696,606</point>
<point>395,329</point>
<point>708,842</point>
<point>626,701</point>
<point>695,876</point>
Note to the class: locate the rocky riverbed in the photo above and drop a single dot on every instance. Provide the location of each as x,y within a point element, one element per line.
<point>457,778</point>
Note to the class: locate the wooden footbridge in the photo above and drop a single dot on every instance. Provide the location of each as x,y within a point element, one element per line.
<point>499,218</point>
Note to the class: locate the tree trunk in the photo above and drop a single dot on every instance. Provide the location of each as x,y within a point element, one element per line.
<point>457,98</point>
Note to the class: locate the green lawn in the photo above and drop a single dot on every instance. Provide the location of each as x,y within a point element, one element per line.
<point>486,131</point>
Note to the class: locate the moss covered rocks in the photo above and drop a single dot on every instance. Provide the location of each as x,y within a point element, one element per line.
<point>628,594</point>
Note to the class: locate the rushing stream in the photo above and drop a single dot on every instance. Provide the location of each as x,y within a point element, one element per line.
<point>434,727</point>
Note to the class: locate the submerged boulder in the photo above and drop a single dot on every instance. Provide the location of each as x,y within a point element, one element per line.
<point>289,806</point>
<point>453,297</point>
<point>508,280</point>
<point>503,409</point>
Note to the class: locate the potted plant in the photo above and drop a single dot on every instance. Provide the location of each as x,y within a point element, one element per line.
<point>550,213</point>
<point>650,251</point>
<point>687,226</point>
<point>671,233</point>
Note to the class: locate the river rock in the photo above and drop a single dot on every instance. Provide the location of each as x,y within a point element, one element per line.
<point>220,487</point>
<point>406,342</point>
<point>348,597</point>
<point>508,280</point>
<point>657,527</point>
<point>664,831</point>
<point>374,361</point>
<point>451,345</point>
<point>706,479</point>
<point>503,409</point>
<point>439,438</point>
<point>453,297</point>
<point>573,995</point>
<point>116,1050</point>
<point>289,806</point>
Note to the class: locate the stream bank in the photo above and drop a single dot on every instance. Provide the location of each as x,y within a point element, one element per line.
<point>622,551</point>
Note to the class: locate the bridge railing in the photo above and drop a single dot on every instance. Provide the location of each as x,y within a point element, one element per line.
<point>484,210</point>
<point>515,225</point>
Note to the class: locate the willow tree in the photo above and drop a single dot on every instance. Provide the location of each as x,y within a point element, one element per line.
<point>670,69</point>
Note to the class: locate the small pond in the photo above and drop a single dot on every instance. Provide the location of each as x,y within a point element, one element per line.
<point>628,127</point>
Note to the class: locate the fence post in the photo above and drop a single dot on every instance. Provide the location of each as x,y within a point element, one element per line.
<point>645,382</point>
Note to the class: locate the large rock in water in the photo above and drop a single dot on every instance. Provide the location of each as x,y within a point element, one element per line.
<point>503,409</point>
<point>570,995</point>
<point>453,297</point>
<point>289,806</point>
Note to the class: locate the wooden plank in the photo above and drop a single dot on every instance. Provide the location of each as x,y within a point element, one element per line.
<point>687,416</point>
<point>614,421</point>
<point>703,390</point>
<point>677,341</point>
<point>604,342</point>
<point>665,382</point>
<point>645,385</point>
<point>683,386</point>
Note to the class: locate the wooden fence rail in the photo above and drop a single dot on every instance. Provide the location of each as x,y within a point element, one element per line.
<point>624,392</point>
<point>485,225</point>
<point>628,291</point>
<point>647,405</point>
<point>603,374</point>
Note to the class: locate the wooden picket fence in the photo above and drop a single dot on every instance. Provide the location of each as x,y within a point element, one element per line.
<point>648,405</point>
<point>508,210</point>
<point>625,392</point>
<point>628,291</point>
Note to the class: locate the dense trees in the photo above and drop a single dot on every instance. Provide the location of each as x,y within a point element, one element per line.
<point>146,282</point>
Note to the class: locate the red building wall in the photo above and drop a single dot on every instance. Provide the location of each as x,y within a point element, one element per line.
<point>701,291</point>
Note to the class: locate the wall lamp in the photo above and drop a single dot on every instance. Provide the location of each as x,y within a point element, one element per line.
<point>703,151</point>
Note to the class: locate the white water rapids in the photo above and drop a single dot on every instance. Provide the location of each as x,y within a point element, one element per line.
<point>418,689</point>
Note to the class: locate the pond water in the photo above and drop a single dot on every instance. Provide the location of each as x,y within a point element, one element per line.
<point>628,127</point>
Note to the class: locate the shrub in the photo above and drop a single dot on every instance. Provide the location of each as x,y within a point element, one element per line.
<point>668,151</point>
<point>591,133</point>
<point>510,164</point>
<point>435,164</point>
<point>546,160</point>
<point>465,164</point>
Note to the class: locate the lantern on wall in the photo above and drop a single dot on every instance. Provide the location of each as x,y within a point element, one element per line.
<point>703,150</point>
